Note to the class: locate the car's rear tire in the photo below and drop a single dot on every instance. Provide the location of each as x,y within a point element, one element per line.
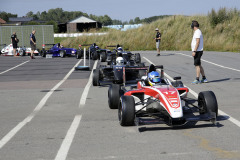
<point>137,58</point>
<point>126,111</point>
<point>62,53</point>
<point>43,52</point>
<point>207,102</point>
<point>21,53</point>
<point>79,54</point>
<point>114,93</point>
<point>96,76</point>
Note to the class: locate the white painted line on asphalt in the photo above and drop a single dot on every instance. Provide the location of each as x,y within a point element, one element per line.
<point>212,63</point>
<point>40,105</point>
<point>231,119</point>
<point>66,144</point>
<point>14,67</point>
<point>87,87</point>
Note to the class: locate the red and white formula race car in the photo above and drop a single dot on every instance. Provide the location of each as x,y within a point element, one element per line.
<point>21,51</point>
<point>164,101</point>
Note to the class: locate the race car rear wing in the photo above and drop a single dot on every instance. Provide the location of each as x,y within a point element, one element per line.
<point>131,68</point>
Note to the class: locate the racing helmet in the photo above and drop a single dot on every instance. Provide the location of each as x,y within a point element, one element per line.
<point>154,78</point>
<point>119,49</point>
<point>96,47</point>
<point>120,61</point>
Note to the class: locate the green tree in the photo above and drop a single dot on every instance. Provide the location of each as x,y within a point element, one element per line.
<point>106,20</point>
<point>29,14</point>
<point>55,25</point>
<point>137,20</point>
<point>32,23</point>
<point>131,21</point>
<point>5,16</point>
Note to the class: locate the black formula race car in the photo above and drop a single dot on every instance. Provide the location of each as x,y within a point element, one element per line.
<point>117,73</point>
<point>93,51</point>
<point>119,52</point>
<point>166,101</point>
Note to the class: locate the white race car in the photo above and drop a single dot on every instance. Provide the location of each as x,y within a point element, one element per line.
<point>21,51</point>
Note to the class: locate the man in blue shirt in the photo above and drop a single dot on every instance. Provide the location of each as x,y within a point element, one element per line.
<point>33,43</point>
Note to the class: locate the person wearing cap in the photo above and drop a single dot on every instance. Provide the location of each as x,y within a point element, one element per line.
<point>197,52</point>
<point>158,40</point>
<point>14,43</point>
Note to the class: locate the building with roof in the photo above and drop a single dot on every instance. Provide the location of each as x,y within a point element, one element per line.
<point>81,24</point>
<point>2,21</point>
<point>19,20</point>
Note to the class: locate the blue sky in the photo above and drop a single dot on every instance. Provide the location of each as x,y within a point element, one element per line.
<point>122,9</point>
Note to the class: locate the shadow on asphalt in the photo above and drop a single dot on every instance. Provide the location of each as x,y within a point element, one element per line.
<point>219,80</point>
<point>188,125</point>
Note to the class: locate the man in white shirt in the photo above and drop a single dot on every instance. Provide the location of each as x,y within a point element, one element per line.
<point>197,51</point>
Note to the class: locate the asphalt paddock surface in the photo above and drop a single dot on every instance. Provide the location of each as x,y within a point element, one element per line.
<point>49,111</point>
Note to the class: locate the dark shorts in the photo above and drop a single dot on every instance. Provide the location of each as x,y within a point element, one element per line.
<point>14,45</point>
<point>197,58</point>
<point>33,47</point>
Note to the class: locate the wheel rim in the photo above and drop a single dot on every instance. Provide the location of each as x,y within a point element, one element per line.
<point>202,108</point>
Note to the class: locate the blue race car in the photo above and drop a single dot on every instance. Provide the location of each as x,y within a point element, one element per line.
<point>58,51</point>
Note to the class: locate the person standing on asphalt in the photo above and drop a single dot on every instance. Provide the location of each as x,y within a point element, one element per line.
<point>197,52</point>
<point>33,43</point>
<point>14,43</point>
<point>158,40</point>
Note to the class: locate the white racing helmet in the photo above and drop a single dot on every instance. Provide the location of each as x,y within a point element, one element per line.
<point>120,61</point>
<point>119,49</point>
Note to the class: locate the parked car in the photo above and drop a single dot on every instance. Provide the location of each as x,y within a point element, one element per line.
<point>57,50</point>
<point>21,51</point>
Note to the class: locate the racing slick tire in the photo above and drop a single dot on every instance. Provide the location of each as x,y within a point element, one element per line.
<point>22,53</point>
<point>126,111</point>
<point>62,53</point>
<point>96,76</point>
<point>207,102</point>
<point>103,57</point>
<point>43,53</point>
<point>137,58</point>
<point>95,56</point>
<point>78,54</point>
<point>114,93</point>
<point>177,84</point>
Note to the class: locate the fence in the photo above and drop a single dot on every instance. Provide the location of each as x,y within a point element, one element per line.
<point>44,34</point>
<point>78,34</point>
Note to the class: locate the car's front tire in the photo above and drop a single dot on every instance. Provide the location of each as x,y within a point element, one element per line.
<point>103,57</point>
<point>126,111</point>
<point>207,102</point>
<point>62,53</point>
<point>96,76</point>
<point>114,93</point>
<point>177,84</point>
<point>95,56</point>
